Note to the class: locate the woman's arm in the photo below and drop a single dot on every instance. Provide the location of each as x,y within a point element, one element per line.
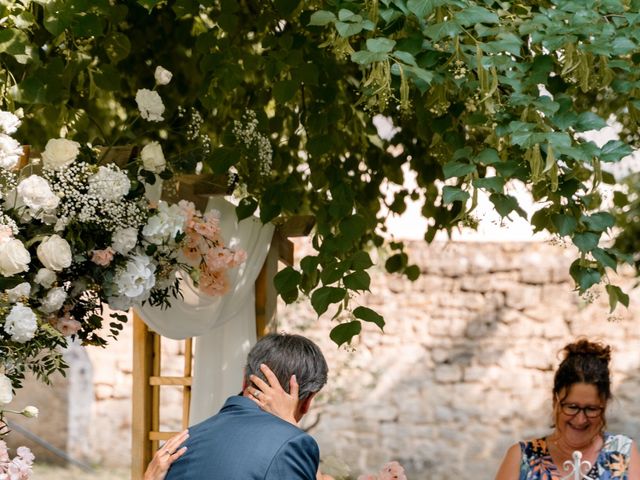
<point>634,463</point>
<point>271,397</point>
<point>510,467</point>
<point>165,456</point>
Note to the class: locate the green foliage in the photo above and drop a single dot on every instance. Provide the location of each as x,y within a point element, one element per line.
<point>459,77</point>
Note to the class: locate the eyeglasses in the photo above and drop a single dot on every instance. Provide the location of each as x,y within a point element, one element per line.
<point>572,410</point>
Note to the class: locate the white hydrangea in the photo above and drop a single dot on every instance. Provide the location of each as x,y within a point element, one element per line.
<point>163,227</point>
<point>35,193</point>
<point>14,257</point>
<point>133,282</point>
<point>20,291</point>
<point>153,158</point>
<point>45,277</point>
<point>6,389</point>
<point>124,240</point>
<point>150,105</point>
<point>9,123</point>
<point>54,300</point>
<point>21,323</point>
<point>10,152</point>
<point>109,183</point>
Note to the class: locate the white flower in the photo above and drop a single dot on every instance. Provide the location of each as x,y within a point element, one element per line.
<point>55,253</point>
<point>150,105</point>
<point>124,239</point>
<point>30,411</point>
<point>136,279</point>
<point>14,258</point>
<point>35,192</point>
<point>6,389</point>
<point>163,227</point>
<point>54,300</point>
<point>9,123</point>
<point>162,75</point>
<point>21,323</point>
<point>109,184</point>
<point>10,152</point>
<point>153,158</point>
<point>18,292</point>
<point>45,277</point>
<point>59,152</point>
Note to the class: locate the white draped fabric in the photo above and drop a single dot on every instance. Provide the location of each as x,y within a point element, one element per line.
<point>221,345</point>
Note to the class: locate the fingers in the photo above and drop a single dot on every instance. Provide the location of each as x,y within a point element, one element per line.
<point>293,386</point>
<point>258,382</point>
<point>175,441</point>
<point>271,377</point>
<point>178,453</point>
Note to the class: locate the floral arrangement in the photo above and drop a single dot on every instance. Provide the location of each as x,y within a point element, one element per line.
<point>78,233</point>
<point>389,471</point>
<point>17,468</point>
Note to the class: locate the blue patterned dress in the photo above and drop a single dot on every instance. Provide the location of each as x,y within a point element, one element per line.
<point>612,461</point>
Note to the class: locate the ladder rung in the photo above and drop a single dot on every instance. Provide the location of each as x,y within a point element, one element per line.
<point>161,435</point>
<point>180,381</point>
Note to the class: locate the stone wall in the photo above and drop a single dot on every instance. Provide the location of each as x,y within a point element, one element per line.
<point>463,369</point>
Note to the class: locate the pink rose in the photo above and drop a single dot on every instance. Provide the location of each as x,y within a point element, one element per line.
<point>68,325</point>
<point>102,257</point>
<point>213,283</point>
<point>392,471</point>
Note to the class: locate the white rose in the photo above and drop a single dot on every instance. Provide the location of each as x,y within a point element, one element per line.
<point>30,411</point>
<point>35,192</point>
<point>124,239</point>
<point>153,158</point>
<point>150,105</point>
<point>162,75</point>
<point>163,227</point>
<point>6,389</point>
<point>21,323</point>
<point>18,292</point>
<point>54,300</point>
<point>14,258</point>
<point>59,152</point>
<point>137,278</point>
<point>55,253</point>
<point>110,184</point>
<point>9,123</point>
<point>45,277</point>
<point>10,152</point>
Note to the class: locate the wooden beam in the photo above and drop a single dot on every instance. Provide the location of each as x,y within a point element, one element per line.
<point>141,451</point>
<point>266,295</point>
<point>297,226</point>
<point>179,381</point>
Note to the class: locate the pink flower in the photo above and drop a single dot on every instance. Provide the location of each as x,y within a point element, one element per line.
<point>213,282</point>
<point>188,210</point>
<point>5,233</point>
<point>392,471</point>
<point>367,477</point>
<point>102,257</point>
<point>68,325</point>
<point>209,228</point>
<point>26,454</point>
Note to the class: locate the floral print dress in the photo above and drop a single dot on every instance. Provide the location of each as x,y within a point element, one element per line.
<point>612,461</point>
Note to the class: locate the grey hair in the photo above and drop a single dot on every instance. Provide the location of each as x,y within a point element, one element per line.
<point>288,354</point>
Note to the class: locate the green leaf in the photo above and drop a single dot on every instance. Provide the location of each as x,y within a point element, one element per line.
<point>348,29</point>
<point>586,241</point>
<point>599,222</point>
<point>333,272</point>
<point>309,264</point>
<point>616,295</point>
<point>396,262</point>
<point>360,261</point>
<point>457,169</point>
<point>364,57</point>
<point>584,277</point>
<point>565,224</point>
<point>107,77</point>
<point>246,207</point>
<point>149,4</point>
<point>14,42</point>
<point>474,14</point>
<point>57,17</point>
<point>589,121</point>
<point>117,46</point>
<point>493,184</point>
<point>285,90</point>
<point>286,7</point>
<point>442,30</point>
<point>488,156</point>
<point>453,194</point>
<point>420,8</point>
<point>614,151</point>
<point>324,296</point>
<point>353,227</point>
<point>412,272</point>
<point>359,280</point>
<point>286,280</point>
<point>321,18</point>
<point>368,315</point>
<point>222,158</point>
<point>505,204</point>
<point>380,45</point>
<point>605,259</point>
<point>344,332</point>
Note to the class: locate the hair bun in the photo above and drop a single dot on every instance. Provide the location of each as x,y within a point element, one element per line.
<point>585,347</point>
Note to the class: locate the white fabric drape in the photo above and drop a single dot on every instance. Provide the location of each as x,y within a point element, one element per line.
<point>222,345</point>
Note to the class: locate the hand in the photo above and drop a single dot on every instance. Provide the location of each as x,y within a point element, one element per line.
<point>165,456</point>
<point>272,398</point>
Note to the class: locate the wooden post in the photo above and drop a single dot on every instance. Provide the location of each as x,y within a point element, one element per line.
<point>141,451</point>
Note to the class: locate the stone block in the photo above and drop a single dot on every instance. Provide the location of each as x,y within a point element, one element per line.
<point>523,296</point>
<point>448,373</point>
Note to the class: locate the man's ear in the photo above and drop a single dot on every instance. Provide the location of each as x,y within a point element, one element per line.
<point>305,404</point>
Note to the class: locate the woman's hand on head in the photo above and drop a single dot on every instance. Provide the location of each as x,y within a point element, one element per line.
<point>272,398</point>
<point>165,456</point>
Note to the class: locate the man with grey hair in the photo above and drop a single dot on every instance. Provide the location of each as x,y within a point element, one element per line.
<point>242,441</point>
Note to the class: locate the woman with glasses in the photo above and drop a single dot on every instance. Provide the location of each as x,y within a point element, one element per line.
<point>581,391</point>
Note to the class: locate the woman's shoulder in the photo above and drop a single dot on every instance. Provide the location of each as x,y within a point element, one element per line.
<point>536,447</point>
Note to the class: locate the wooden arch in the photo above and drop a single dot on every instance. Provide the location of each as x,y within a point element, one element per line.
<point>147,345</point>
